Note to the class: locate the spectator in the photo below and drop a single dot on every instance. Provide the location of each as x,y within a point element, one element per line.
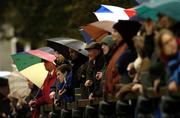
<point>63,84</point>
<point>169,51</point>
<point>95,64</point>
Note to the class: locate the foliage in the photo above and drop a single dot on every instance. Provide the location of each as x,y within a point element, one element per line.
<point>36,20</point>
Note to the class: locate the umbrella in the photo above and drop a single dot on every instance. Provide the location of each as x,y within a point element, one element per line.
<point>36,74</point>
<point>42,55</point>
<point>63,44</point>
<point>86,36</point>
<point>16,82</point>
<point>24,60</point>
<point>97,30</point>
<point>18,85</point>
<point>46,49</point>
<point>112,13</point>
<point>145,12</point>
<point>4,74</point>
<point>142,1</point>
<point>142,11</point>
<point>29,63</point>
<point>169,7</point>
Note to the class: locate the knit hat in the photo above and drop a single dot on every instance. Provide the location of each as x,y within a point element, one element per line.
<point>107,40</point>
<point>127,29</point>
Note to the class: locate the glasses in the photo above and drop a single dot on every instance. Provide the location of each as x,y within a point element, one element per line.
<point>167,42</point>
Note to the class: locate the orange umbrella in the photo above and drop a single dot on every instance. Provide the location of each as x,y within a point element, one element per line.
<point>97,30</point>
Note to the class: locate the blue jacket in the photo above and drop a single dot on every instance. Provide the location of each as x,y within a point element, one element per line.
<point>174,68</point>
<point>68,96</point>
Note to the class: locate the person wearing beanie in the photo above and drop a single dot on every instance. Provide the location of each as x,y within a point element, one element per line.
<point>127,30</point>
<point>107,40</point>
<point>124,53</point>
<point>107,45</point>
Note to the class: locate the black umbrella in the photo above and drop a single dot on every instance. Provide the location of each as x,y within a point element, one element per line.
<point>46,49</point>
<point>62,45</point>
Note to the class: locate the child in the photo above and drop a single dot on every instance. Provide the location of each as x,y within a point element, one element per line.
<point>63,87</point>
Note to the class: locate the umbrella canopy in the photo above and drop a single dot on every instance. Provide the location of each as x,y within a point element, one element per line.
<point>46,49</point>
<point>18,85</point>
<point>4,74</point>
<point>43,55</point>
<point>65,43</point>
<point>36,74</point>
<point>86,36</point>
<point>145,12</point>
<point>29,63</point>
<point>112,13</point>
<point>97,30</point>
<point>169,7</point>
<point>24,60</point>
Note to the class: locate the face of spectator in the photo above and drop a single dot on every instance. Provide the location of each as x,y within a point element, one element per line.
<point>60,76</point>
<point>169,45</point>
<point>116,36</point>
<point>73,54</point>
<point>49,66</point>
<point>165,22</point>
<point>93,53</point>
<point>105,49</point>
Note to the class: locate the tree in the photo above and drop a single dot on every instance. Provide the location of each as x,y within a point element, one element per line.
<point>36,20</point>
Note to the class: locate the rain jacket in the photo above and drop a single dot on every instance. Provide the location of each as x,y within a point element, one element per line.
<point>111,74</point>
<point>174,68</point>
<point>45,99</point>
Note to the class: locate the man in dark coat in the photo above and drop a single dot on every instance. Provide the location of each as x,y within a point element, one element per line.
<point>95,64</point>
<point>127,30</point>
<point>77,60</point>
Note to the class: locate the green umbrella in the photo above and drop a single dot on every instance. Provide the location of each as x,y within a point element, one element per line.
<point>24,60</point>
<point>168,7</point>
<point>144,12</point>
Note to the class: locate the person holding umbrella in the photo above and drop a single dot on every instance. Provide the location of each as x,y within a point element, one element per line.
<point>50,79</point>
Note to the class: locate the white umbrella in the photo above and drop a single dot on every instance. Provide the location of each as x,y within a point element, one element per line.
<point>18,85</point>
<point>111,13</point>
<point>4,74</point>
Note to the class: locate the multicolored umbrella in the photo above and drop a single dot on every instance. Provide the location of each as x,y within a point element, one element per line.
<point>29,63</point>
<point>112,13</point>
<point>42,55</point>
<point>86,36</point>
<point>97,30</point>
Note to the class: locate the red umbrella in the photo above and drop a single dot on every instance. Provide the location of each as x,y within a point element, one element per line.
<point>42,55</point>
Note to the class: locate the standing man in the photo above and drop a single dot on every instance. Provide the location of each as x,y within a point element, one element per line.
<point>95,64</point>
<point>48,82</point>
<point>77,60</point>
